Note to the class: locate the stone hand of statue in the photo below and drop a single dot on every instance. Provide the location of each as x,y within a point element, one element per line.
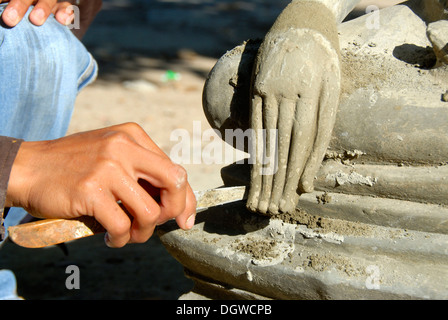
<point>294,101</point>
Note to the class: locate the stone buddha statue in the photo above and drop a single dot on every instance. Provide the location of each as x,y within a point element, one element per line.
<point>348,123</point>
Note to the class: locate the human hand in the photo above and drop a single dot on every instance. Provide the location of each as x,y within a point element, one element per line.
<point>63,11</point>
<point>88,173</point>
<point>295,98</point>
<point>16,10</point>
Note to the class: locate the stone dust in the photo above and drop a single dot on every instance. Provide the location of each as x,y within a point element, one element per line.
<point>342,227</point>
<point>323,262</point>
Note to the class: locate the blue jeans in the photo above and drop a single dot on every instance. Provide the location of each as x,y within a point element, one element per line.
<point>42,69</point>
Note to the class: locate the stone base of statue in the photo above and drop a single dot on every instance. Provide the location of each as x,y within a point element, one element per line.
<point>335,246</point>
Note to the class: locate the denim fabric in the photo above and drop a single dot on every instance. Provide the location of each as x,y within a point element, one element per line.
<point>8,285</point>
<point>42,69</point>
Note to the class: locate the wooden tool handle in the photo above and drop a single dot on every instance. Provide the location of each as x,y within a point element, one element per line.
<point>49,232</point>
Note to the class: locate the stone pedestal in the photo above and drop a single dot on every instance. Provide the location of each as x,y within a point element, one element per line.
<point>235,254</point>
<point>364,234</point>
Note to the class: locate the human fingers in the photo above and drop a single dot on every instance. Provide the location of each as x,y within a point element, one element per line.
<point>15,11</point>
<point>116,222</point>
<point>145,211</point>
<point>41,11</point>
<point>256,153</point>
<point>328,104</point>
<point>169,178</point>
<point>286,109</point>
<point>155,167</point>
<point>63,12</point>
<point>173,194</point>
<point>186,220</point>
<point>141,164</point>
<point>303,133</point>
<point>270,117</point>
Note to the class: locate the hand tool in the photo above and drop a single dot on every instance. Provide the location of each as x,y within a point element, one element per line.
<point>47,232</point>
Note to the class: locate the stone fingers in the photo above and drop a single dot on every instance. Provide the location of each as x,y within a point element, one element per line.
<point>302,139</point>
<point>285,149</point>
<point>285,123</point>
<point>328,103</point>
<point>256,153</point>
<point>269,160</point>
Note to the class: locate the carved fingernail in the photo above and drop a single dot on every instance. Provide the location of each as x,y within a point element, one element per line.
<point>307,187</point>
<point>273,208</point>
<point>282,204</point>
<point>252,203</point>
<point>286,205</point>
<point>263,206</point>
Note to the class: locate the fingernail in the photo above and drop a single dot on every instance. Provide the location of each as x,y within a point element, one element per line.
<point>39,16</point>
<point>282,205</point>
<point>190,221</point>
<point>107,240</point>
<point>252,205</point>
<point>65,18</point>
<point>307,187</point>
<point>12,16</point>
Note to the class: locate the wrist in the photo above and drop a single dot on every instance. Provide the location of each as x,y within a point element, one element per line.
<point>310,15</point>
<point>9,149</point>
<point>21,176</point>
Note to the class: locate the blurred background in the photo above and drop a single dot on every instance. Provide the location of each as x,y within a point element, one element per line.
<point>153,56</point>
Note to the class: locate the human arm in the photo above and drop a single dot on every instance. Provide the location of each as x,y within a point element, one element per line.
<point>295,94</point>
<point>88,173</point>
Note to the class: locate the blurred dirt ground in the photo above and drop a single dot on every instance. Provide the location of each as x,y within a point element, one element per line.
<point>154,56</point>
